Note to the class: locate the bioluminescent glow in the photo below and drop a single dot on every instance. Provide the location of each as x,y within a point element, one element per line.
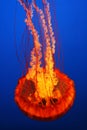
<point>44,92</point>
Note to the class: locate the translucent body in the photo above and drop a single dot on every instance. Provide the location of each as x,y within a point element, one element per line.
<point>44,92</point>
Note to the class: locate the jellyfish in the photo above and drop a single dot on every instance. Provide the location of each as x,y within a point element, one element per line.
<point>44,92</point>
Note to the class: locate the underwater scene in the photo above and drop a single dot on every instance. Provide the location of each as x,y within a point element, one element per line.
<point>43,65</point>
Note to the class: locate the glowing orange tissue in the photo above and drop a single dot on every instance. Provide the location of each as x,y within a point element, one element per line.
<point>44,92</point>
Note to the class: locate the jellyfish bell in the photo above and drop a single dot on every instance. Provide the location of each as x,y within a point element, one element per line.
<point>44,92</point>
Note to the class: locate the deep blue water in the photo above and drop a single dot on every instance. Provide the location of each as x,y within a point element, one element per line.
<point>72,24</point>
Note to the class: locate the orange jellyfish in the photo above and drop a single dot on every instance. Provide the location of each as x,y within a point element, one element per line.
<point>44,92</point>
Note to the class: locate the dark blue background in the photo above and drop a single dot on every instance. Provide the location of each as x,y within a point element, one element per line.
<point>72,24</point>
